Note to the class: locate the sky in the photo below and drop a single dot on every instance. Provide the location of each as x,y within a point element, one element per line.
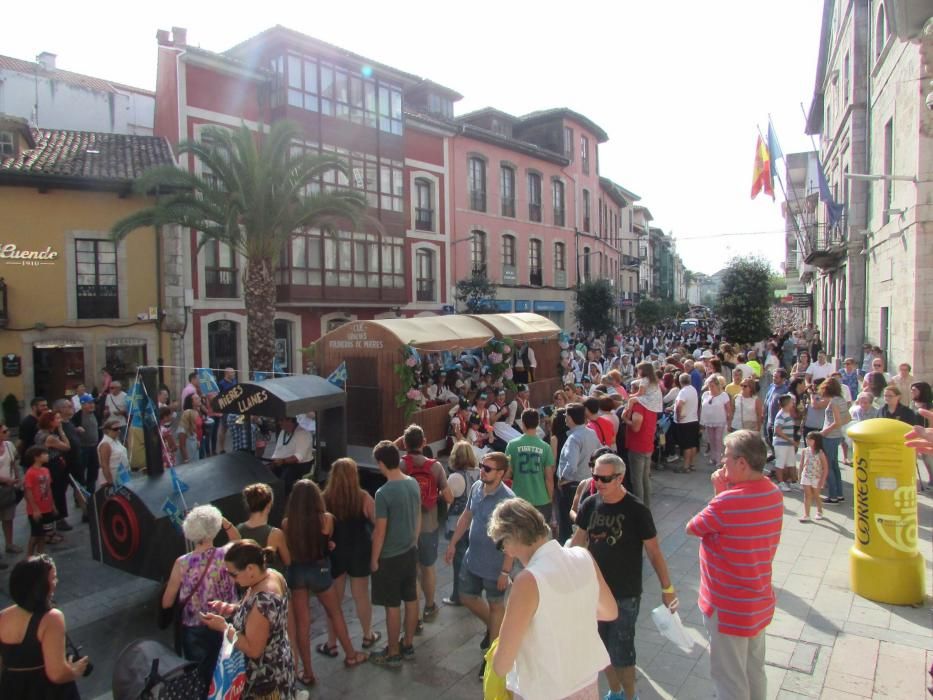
<point>681,87</point>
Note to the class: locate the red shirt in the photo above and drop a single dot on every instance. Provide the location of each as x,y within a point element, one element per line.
<point>642,441</point>
<point>740,530</point>
<point>605,430</point>
<point>38,481</point>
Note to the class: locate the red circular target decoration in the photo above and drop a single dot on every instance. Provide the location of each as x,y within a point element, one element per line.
<point>119,528</point>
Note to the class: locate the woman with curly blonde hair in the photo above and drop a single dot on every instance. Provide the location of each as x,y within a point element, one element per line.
<point>354,511</point>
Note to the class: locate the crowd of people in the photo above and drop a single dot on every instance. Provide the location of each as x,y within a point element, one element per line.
<point>545,509</point>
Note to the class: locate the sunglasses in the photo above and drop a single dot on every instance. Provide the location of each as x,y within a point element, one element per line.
<point>488,468</point>
<point>605,479</point>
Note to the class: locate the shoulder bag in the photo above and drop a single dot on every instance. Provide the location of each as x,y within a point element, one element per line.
<point>172,616</point>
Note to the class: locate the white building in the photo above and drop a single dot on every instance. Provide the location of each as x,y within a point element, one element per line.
<point>51,98</point>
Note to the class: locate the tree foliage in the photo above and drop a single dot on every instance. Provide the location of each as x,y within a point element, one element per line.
<point>745,299</point>
<point>477,294</point>
<point>253,196</point>
<point>652,312</point>
<point>594,304</point>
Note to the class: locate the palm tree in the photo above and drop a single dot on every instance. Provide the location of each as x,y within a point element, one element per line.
<point>252,196</point>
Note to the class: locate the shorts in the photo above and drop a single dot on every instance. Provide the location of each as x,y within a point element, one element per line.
<point>473,585</point>
<point>39,529</point>
<point>314,576</point>
<point>396,580</point>
<point>687,435</point>
<point>427,547</point>
<point>351,559</point>
<point>619,635</point>
<point>785,456</point>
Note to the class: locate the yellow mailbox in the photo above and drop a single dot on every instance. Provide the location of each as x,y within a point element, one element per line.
<point>884,563</point>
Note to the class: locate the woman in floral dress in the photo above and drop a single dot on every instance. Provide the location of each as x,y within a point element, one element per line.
<point>259,621</point>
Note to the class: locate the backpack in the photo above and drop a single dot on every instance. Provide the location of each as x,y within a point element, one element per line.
<point>427,482</point>
<point>459,503</point>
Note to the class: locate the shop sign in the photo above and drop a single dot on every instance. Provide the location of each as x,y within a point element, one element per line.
<point>11,255</point>
<point>12,365</point>
<point>356,339</point>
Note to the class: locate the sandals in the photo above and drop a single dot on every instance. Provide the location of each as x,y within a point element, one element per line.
<point>355,660</point>
<point>309,680</point>
<point>371,639</point>
<point>324,649</point>
<point>429,613</point>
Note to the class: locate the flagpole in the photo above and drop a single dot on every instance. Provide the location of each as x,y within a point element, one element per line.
<point>800,237</point>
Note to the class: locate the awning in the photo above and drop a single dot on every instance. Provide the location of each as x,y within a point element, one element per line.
<point>438,333</point>
<point>281,397</point>
<point>520,326</point>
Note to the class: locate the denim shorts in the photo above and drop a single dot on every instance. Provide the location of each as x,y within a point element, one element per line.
<point>314,576</point>
<point>427,547</point>
<point>471,584</point>
<point>619,635</point>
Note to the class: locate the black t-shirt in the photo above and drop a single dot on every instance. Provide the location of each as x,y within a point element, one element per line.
<point>559,428</point>
<point>28,429</point>
<point>616,533</point>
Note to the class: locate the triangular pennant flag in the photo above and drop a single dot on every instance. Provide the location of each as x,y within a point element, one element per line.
<point>339,376</point>
<point>179,485</point>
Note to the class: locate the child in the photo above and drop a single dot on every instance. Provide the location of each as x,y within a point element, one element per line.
<point>813,472</point>
<point>785,445</point>
<point>37,484</point>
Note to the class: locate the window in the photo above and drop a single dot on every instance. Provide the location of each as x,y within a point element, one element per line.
<point>845,80</point>
<point>343,259</point>
<point>586,264</point>
<point>220,272</point>
<point>882,31</point>
<point>390,109</point>
<point>424,205</point>
<point>96,262</point>
<point>476,172</point>
<point>586,210</point>
<point>534,263</point>
<point>391,187</point>
<point>302,82</point>
<point>441,106</point>
<point>585,154</point>
<point>478,252</point>
<point>568,143</point>
<point>560,257</point>
<point>534,197</point>
<point>885,329</point>
<point>283,345</point>
<point>887,184</point>
<point>7,144</point>
<point>557,189</point>
<point>222,343</point>
<point>507,190</point>
<point>508,251</point>
<point>424,277</point>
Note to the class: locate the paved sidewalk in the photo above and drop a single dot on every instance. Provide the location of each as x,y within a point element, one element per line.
<point>824,641</point>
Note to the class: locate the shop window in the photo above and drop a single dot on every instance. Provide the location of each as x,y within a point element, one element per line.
<point>281,361</point>
<point>124,360</point>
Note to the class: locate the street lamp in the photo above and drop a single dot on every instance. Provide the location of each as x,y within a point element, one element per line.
<point>4,314</point>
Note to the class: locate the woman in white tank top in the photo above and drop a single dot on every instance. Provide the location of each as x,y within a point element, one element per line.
<point>110,453</point>
<point>549,646</point>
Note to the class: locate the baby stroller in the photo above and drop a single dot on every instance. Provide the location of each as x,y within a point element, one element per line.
<point>149,670</point>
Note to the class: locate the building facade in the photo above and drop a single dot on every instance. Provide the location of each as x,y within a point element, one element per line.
<point>74,301</point>
<point>874,123</point>
<point>51,98</point>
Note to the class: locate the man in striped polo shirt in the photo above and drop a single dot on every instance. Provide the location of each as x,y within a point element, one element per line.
<point>740,530</point>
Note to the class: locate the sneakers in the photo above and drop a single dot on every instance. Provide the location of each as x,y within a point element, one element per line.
<point>452,602</point>
<point>384,659</point>
<point>614,696</point>
<point>672,459</point>
<point>784,487</point>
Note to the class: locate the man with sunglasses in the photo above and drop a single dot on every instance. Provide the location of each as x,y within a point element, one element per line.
<point>485,567</point>
<point>615,525</point>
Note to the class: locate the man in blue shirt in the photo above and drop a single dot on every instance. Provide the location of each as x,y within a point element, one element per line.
<point>773,398</point>
<point>573,465</point>
<point>485,567</point>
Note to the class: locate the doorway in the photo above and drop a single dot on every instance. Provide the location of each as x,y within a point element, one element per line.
<point>222,344</point>
<point>57,369</point>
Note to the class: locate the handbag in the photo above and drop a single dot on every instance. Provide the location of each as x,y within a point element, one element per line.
<point>10,495</point>
<point>172,616</point>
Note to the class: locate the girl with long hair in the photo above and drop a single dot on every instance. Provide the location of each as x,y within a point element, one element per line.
<point>308,530</point>
<point>354,512</point>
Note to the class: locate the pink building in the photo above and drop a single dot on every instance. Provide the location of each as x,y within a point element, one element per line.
<point>530,209</point>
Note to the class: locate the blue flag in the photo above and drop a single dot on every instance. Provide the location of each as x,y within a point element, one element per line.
<point>177,484</point>
<point>339,376</point>
<point>774,148</point>
<point>137,404</point>
<point>833,210</point>
<point>173,512</point>
<point>123,475</point>
<point>208,382</point>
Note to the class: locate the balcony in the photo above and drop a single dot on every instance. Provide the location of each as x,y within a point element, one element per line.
<point>220,282</point>
<point>478,269</point>
<point>425,291</point>
<point>534,212</point>
<point>628,300</point>
<point>586,224</point>
<point>558,216</point>
<point>535,277</point>
<point>478,201</point>
<point>508,208</point>
<point>825,247</point>
<point>98,301</point>
<point>630,261</point>
<point>424,219</point>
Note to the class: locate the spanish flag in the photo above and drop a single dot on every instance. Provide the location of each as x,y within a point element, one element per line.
<point>761,175</point>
